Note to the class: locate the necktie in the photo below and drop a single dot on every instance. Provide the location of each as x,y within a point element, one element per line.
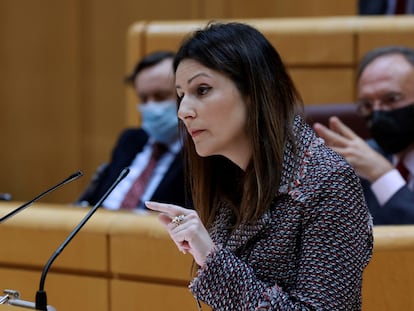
<point>403,169</point>
<point>137,189</point>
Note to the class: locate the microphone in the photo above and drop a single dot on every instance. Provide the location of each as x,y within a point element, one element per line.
<point>5,196</point>
<point>63,182</point>
<point>41,298</point>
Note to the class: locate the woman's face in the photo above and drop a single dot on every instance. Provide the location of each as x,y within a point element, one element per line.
<point>213,111</point>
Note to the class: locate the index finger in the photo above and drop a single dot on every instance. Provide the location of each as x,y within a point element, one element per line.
<point>331,137</point>
<point>338,126</point>
<point>169,209</point>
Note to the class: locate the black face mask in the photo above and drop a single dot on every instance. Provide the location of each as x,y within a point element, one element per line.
<point>393,130</point>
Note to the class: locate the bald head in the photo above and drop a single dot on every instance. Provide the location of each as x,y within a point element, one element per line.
<point>386,83</point>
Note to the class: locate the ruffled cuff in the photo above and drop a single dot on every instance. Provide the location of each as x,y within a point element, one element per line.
<point>204,269</point>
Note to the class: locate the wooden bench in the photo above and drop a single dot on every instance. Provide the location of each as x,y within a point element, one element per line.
<point>347,112</point>
<point>321,54</point>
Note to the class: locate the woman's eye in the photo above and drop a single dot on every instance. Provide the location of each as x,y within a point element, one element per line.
<point>203,90</point>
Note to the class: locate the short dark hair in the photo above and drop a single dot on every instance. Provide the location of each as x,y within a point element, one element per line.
<point>148,61</point>
<point>368,58</point>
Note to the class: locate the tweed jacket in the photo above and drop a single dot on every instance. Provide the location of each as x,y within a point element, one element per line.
<point>308,250</point>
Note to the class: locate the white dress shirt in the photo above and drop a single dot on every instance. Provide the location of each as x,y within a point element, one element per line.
<point>388,184</point>
<point>114,200</point>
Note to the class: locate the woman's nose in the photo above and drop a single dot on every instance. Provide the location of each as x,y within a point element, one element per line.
<point>186,110</point>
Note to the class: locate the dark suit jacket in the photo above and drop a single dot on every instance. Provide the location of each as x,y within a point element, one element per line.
<point>398,210</point>
<point>171,188</point>
<point>372,7</point>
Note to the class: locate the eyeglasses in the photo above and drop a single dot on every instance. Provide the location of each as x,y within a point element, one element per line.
<point>388,101</point>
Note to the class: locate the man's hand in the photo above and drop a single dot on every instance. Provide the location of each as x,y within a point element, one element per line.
<point>367,163</point>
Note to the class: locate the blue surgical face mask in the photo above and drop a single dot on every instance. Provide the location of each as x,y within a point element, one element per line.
<point>159,120</point>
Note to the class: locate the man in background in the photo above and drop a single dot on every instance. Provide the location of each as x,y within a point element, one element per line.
<point>386,163</point>
<point>152,152</point>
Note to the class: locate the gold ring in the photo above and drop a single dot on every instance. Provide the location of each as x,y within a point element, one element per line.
<point>178,220</point>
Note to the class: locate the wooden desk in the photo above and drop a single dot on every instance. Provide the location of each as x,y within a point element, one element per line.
<point>12,308</point>
<point>118,261</point>
<point>137,266</point>
<point>78,277</point>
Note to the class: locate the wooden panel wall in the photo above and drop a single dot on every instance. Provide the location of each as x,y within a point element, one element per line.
<point>61,91</point>
<point>40,95</point>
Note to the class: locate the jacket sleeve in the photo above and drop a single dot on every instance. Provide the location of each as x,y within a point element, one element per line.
<point>334,246</point>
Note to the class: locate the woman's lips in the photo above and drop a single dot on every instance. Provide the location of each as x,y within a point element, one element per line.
<point>195,132</point>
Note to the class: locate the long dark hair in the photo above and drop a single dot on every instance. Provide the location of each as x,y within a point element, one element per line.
<point>243,54</point>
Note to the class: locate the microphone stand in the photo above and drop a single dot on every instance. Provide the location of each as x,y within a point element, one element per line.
<point>20,208</point>
<point>11,297</point>
<point>41,298</point>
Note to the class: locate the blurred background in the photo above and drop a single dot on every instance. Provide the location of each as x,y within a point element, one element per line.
<point>62,64</point>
